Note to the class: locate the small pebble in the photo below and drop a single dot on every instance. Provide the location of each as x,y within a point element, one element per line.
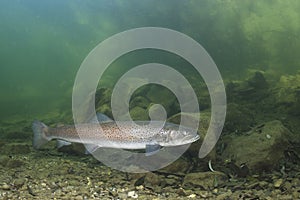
<point>140,187</point>
<point>192,196</point>
<point>215,191</point>
<point>203,194</point>
<point>278,183</point>
<point>122,195</point>
<point>78,197</point>
<point>132,194</point>
<point>19,182</point>
<point>5,187</point>
<point>181,191</point>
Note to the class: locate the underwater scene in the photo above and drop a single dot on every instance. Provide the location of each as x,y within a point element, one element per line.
<point>115,99</point>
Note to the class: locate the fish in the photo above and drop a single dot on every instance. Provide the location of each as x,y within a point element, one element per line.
<point>137,135</point>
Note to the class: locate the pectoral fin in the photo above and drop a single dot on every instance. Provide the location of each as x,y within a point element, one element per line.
<point>90,148</point>
<point>152,149</point>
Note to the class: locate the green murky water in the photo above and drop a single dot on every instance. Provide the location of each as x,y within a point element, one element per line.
<point>44,42</point>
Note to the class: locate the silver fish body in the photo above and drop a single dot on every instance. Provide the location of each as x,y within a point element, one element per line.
<point>124,135</point>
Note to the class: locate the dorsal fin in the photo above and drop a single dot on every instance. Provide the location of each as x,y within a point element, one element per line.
<point>100,117</point>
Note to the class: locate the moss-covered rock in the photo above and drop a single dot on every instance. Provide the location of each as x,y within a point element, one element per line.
<point>261,149</point>
<point>238,119</point>
<point>180,166</point>
<point>138,113</point>
<point>105,109</point>
<point>161,95</point>
<point>139,101</point>
<point>4,160</point>
<point>152,180</point>
<point>287,93</point>
<point>258,81</point>
<point>253,89</point>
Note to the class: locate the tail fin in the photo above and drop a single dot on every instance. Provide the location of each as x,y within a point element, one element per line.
<point>39,137</point>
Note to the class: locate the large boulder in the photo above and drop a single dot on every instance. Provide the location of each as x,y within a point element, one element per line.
<point>287,90</point>
<point>260,149</point>
<point>161,95</point>
<point>254,88</point>
<point>180,166</point>
<point>238,119</point>
<point>139,113</point>
<point>287,94</point>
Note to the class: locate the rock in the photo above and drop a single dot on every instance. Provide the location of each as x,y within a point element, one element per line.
<point>191,196</point>
<point>105,109</point>
<point>181,192</point>
<point>161,95</point>
<point>2,143</point>
<point>287,89</point>
<point>180,166</point>
<point>3,160</point>
<point>138,179</point>
<point>170,181</point>
<point>204,180</point>
<point>138,113</point>
<point>113,192</point>
<point>225,195</point>
<point>287,186</point>
<point>79,197</point>
<point>231,168</point>
<point>238,119</point>
<point>255,88</point>
<point>151,180</point>
<point>258,81</point>
<point>139,101</point>
<point>19,182</point>
<point>5,186</point>
<point>278,183</point>
<point>140,187</point>
<point>261,149</point>
<point>287,94</point>
<point>132,194</point>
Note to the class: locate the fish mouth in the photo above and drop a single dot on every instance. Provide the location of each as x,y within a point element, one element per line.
<point>191,138</point>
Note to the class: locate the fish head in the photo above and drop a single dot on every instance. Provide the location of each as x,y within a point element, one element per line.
<point>176,135</point>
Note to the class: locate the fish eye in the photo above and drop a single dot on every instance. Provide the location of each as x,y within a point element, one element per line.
<point>172,133</point>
